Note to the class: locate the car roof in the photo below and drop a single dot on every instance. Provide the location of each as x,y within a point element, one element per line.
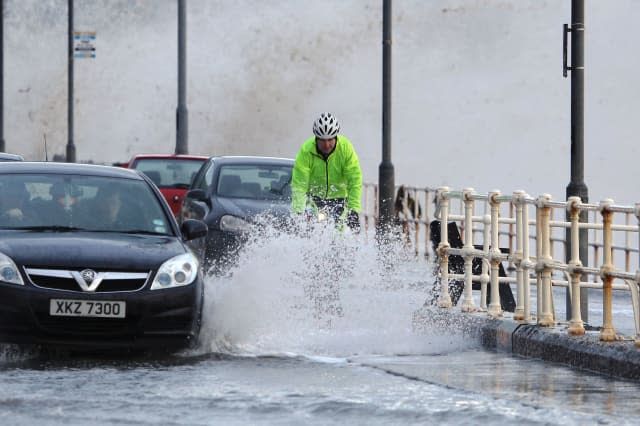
<point>251,159</point>
<point>169,156</point>
<point>5,156</point>
<point>67,168</point>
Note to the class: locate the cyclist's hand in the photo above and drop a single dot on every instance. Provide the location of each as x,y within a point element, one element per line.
<point>353,221</point>
<point>309,214</point>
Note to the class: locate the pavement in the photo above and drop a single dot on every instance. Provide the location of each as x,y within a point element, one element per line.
<point>620,358</point>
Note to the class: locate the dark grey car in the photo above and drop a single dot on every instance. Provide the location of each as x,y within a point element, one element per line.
<point>229,194</point>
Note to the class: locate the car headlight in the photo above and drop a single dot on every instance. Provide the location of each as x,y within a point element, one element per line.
<point>9,271</point>
<point>175,272</point>
<point>234,224</point>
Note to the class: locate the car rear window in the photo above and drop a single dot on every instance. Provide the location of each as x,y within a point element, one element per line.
<point>169,172</point>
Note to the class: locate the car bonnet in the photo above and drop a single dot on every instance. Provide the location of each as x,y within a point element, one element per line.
<point>247,208</point>
<point>89,250</point>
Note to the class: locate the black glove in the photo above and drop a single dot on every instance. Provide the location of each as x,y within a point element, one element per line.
<point>353,221</point>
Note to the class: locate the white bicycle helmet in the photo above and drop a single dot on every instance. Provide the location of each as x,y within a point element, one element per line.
<point>326,126</point>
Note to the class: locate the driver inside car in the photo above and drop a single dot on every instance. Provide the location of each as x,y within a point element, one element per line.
<point>13,204</point>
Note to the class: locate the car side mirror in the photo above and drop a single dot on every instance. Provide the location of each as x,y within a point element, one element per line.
<point>196,194</point>
<point>192,229</point>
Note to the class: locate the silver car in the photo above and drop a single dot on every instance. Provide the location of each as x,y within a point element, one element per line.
<point>5,156</point>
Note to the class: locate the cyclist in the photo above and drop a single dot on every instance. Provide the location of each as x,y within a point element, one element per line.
<point>327,174</point>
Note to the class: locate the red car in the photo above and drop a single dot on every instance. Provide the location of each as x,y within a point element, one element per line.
<point>172,174</point>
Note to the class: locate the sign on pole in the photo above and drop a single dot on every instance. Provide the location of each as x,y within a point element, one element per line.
<point>84,44</point>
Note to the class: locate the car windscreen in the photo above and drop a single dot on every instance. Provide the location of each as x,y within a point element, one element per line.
<point>69,202</point>
<point>255,181</point>
<point>169,172</point>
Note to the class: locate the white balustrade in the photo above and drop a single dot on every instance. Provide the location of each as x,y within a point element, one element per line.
<point>606,271</point>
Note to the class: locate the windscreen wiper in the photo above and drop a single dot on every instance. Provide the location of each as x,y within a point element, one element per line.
<point>52,228</point>
<point>139,231</point>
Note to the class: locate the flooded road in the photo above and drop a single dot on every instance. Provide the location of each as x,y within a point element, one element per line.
<point>215,389</point>
<point>268,357</point>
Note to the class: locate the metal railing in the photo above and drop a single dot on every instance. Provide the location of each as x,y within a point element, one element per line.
<point>413,211</point>
<point>535,249</point>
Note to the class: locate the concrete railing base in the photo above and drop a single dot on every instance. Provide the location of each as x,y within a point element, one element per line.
<point>587,352</point>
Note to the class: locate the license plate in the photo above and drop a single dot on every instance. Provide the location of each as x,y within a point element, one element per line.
<point>87,308</point>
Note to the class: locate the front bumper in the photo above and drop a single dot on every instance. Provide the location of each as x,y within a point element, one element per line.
<point>165,319</point>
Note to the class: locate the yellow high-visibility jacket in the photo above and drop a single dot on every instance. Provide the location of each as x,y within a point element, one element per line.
<point>339,176</point>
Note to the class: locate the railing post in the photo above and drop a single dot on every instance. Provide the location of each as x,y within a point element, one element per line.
<point>468,304</point>
<point>495,308</point>
<point>484,276</point>
<point>526,261</point>
<point>376,217</point>
<point>417,216</point>
<point>627,244</point>
<point>518,314</point>
<point>607,332</point>
<point>576,327</point>
<point>406,235</point>
<point>427,235</point>
<point>545,316</point>
<point>511,266</point>
<point>637,280</point>
<point>538,259</point>
<point>444,301</point>
<point>365,206</point>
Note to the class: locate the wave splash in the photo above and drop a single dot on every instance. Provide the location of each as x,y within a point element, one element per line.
<point>323,295</point>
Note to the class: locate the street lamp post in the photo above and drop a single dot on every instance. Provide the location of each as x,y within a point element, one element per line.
<point>182,132</point>
<point>2,145</point>
<point>71,148</point>
<point>386,182</point>
<point>577,186</point>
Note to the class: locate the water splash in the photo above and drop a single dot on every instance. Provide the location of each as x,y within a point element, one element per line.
<point>10,353</point>
<point>268,306</point>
